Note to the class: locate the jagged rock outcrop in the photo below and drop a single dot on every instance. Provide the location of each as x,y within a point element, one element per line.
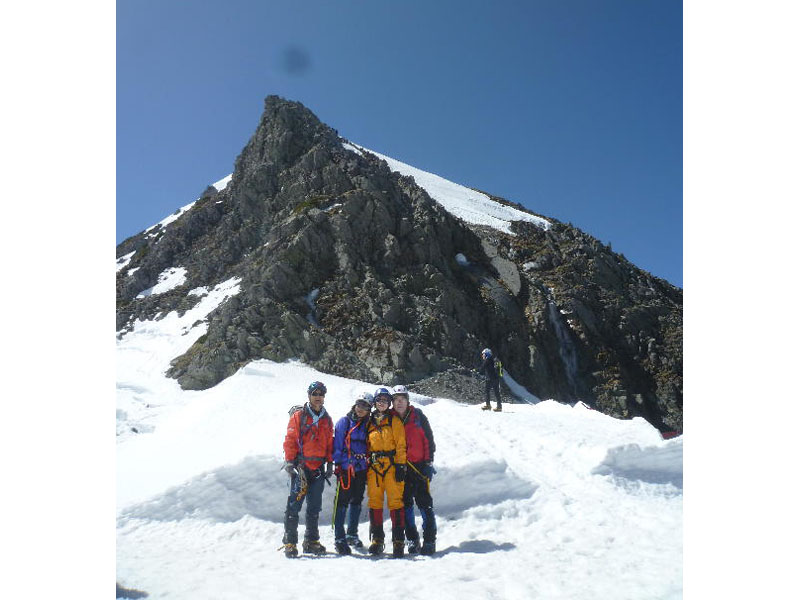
<point>352,268</point>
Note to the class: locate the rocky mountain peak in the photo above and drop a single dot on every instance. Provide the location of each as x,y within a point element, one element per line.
<point>287,130</point>
<point>353,268</point>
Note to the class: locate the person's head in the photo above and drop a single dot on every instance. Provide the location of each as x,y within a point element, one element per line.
<point>486,353</point>
<point>363,404</point>
<point>382,399</point>
<point>400,399</point>
<point>316,395</point>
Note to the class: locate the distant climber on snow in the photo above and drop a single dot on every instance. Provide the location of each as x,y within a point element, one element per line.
<point>489,369</point>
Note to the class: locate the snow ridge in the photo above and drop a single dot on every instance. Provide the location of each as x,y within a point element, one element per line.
<point>472,206</point>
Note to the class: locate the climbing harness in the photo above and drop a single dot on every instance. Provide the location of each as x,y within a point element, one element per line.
<point>375,460</point>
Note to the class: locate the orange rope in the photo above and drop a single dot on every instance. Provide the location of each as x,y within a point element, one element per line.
<point>350,469</point>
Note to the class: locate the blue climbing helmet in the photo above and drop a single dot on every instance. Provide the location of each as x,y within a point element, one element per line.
<point>486,353</point>
<point>317,385</point>
<point>381,391</point>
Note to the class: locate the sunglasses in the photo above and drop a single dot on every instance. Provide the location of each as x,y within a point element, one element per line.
<point>318,394</point>
<point>362,405</point>
<point>384,399</point>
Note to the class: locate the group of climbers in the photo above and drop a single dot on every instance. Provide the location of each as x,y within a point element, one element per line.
<point>384,448</point>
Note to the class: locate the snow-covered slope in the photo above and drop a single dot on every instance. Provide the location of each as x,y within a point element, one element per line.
<point>472,206</point>
<point>539,501</point>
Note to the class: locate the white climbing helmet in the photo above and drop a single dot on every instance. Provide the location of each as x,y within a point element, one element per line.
<point>399,390</point>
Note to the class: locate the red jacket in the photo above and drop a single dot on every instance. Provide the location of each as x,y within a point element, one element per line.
<point>419,436</point>
<point>316,439</point>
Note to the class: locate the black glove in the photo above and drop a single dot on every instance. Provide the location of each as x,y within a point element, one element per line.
<point>428,470</point>
<point>328,470</point>
<point>290,468</point>
<point>399,473</point>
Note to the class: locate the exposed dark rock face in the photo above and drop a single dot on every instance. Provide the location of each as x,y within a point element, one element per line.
<point>352,268</point>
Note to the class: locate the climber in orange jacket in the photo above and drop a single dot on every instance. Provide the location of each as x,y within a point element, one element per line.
<point>386,449</point>
<point>308,452</point>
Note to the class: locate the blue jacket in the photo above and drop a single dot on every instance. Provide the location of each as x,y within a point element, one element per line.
<point>357,442</point>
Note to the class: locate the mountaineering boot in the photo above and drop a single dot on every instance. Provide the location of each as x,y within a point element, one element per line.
<point>342,548</point>
<point>398,516</point>
<point>487,407</point>
<point>354,542</point>
<point>498,409</point>
<point>398,547</point>
<point>376,547</point>
<point>376,531</point>
<point>290,535</point>
<point>313,547</point>
<point>412,535</point>
<point>428,533</point>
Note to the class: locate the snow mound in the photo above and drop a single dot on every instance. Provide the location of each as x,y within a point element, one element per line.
<point>257,486</point>
<point>653,464</point>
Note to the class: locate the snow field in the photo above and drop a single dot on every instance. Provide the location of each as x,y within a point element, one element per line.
<point>520,512</point>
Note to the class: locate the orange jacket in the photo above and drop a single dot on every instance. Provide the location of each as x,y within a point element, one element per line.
<point>316,439</point>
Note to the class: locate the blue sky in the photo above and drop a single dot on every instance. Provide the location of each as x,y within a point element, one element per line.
<point>572,108</point>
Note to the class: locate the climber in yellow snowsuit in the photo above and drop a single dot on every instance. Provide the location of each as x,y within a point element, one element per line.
<point>386,451</point>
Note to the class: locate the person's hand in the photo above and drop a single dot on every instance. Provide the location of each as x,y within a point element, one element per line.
<point>290,468</point>
<point>428,470</point>
<point>328,470</point>
<point>399,473</point>
<point>338,470</point>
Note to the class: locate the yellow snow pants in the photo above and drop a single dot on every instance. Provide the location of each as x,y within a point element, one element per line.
<point>378,484</point>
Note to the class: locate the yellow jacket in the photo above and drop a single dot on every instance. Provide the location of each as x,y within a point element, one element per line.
<point>383,437</point>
